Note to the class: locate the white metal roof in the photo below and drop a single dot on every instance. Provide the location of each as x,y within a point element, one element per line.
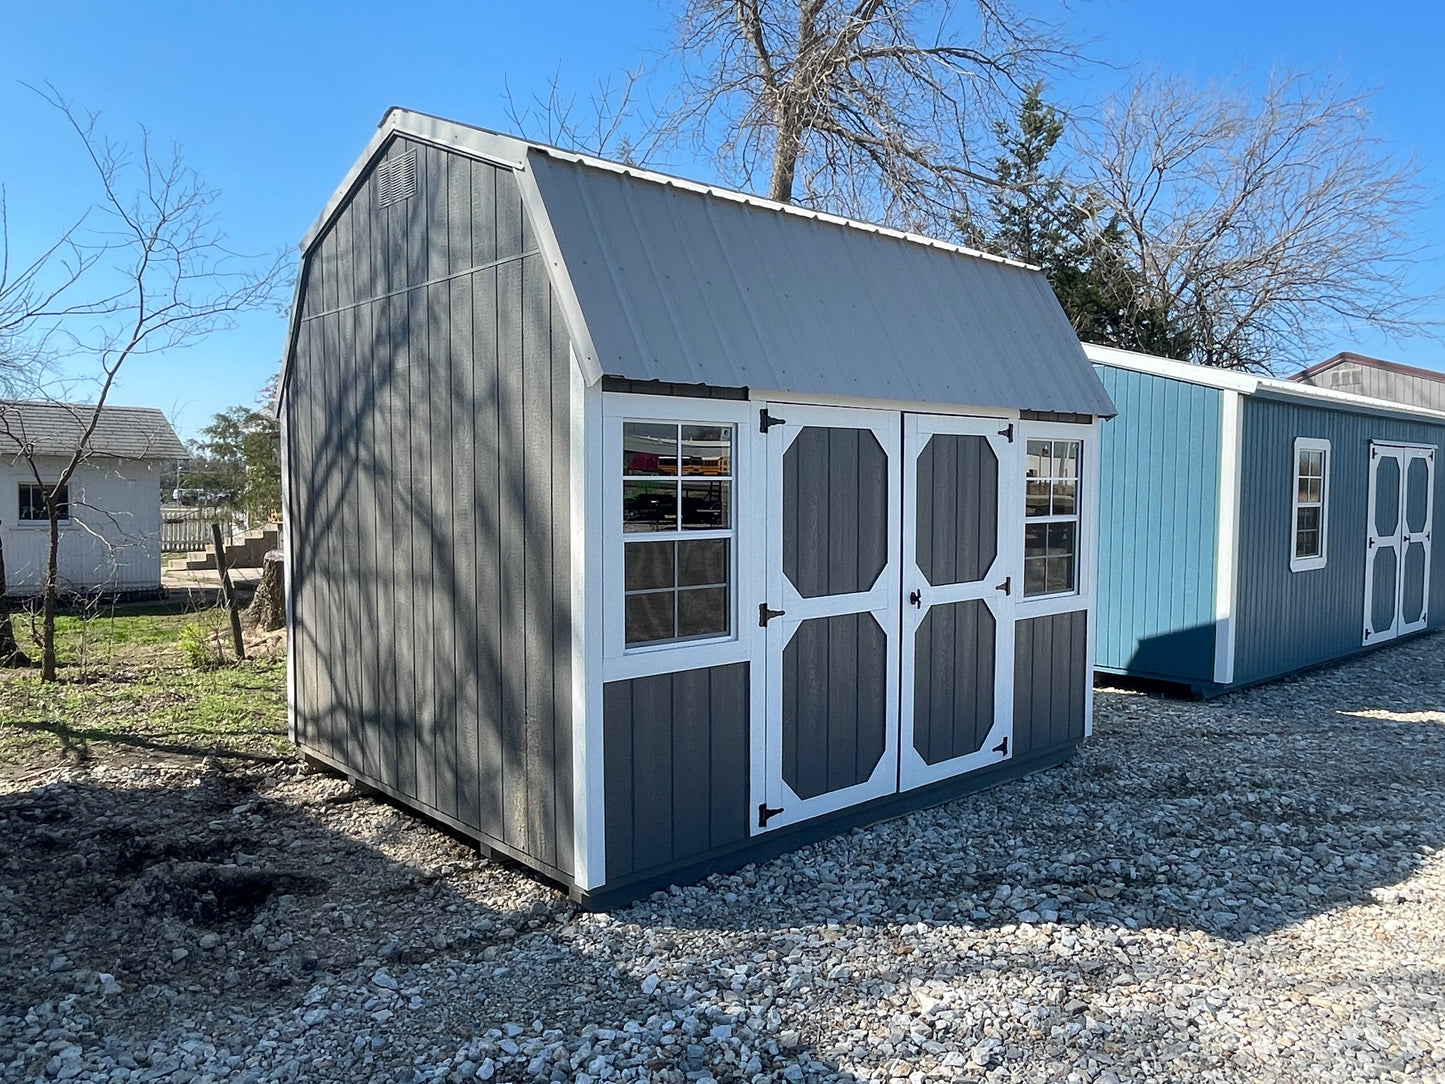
<point>1253,384</point>
<point>671,280</point>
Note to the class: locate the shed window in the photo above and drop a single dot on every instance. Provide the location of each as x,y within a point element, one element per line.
<point>1311,503</point>
<point>1051,509</point>
<point>32,503</point>
<point>678,531</point>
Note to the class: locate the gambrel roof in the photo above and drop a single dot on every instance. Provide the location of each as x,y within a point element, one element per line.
<point>670,280</point>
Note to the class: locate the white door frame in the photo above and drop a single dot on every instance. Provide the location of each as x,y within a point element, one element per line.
<point>1007,568</point>
<point>882,600</point>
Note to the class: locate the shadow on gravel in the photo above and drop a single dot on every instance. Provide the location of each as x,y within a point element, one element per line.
<point>1237,817</point>
<point>77,744</point>
<point>126,911</point>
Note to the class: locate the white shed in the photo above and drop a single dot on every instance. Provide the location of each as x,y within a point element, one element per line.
<point>110,533</point>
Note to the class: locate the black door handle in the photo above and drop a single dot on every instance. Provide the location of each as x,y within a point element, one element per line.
<point>916,598</point>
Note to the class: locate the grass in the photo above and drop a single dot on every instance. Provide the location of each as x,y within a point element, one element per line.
<point>128,691</point>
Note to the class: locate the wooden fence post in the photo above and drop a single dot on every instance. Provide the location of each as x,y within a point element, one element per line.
<point>228,596</point>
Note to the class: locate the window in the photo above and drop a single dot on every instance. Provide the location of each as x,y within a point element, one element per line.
<point>678,531</point>
<point>1051,510</point>
<point>1311,497</point>
<point>32,503</point>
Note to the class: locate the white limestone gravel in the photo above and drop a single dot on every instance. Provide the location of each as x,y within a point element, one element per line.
<point>1248,889</point>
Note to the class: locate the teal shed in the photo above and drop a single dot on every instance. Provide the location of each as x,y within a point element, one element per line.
<point>1254,527</point>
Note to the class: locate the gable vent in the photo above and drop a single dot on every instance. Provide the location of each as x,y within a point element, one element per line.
<point>396,179</point>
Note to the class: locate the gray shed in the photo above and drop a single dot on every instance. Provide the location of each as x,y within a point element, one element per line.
<point>639,529</point>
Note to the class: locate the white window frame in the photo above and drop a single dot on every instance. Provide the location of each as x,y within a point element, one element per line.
<point>1307,564</point>
<point>620,661</point>
<point>1078,435</point>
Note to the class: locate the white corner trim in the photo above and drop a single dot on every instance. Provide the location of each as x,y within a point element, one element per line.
<point>1306,564</point>
<point>1226,541</point>
<point>588,804</point>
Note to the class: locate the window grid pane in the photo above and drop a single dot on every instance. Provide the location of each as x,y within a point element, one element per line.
<point>677,477</point>
<point>1309,539</point>
<point>1052,501</point>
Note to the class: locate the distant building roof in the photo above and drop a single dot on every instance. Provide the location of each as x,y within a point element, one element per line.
<point>50,428</point>
<point>1347,357</point>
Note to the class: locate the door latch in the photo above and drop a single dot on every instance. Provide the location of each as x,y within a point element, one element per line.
<point>766,421</point>
<point>765,615</point>
<point>1006,587</point>
<point>766,813</point>
<point>916,598</point>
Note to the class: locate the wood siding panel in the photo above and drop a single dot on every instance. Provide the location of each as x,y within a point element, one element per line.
<point>1051,680</point>
<point>953,681</point>
<point>675,758</point>
<point>835,503</point>
<point>1289,620</point>
<point>427,415</point>
<point>1159,495</point>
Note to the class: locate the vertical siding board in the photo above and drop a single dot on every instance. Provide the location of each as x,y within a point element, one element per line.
<point>871,684</point>
<point>467,420</point>
<point>652,797</point>
<point>509,221</point>
<point>618,763</point>
<point>459,213</point>
<point>421,521</point>
<point>390,418</point>
<point>297,408</point>
<point>875,476</point>
<point>923,513</point>
<point>405,580</point>
<point>844,525</point>
<point>691,740</point>
<point>415,213</point>
<point>944,684</point>
<point>728,727</point>
<point>438,224</point>
<point>493,695</point>
<point>484,213</point>
<point>366,584</point>
<point>446,587</point>
<point>1023,689</point>
<point>511,465</point>
<point>842,739</point>
<point>537,557</point>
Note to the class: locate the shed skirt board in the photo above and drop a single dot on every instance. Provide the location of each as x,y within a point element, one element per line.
<point>1397,550</point>
<point>961,569</point>
<point>830,737</point>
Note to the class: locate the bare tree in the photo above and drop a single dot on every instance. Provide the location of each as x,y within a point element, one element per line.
<point>1256,227</point>
<point>153,272</point>
<point>611,122</point>
<point>869,108</point>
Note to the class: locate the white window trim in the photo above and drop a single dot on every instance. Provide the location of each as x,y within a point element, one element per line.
<point>1306,564</point>
<point>1054,431</point>
<point>620,662</point>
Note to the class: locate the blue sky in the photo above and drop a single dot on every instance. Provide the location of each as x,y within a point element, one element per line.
<point>273,102</point>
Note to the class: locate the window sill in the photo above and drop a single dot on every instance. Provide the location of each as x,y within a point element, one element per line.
<point>1306,564</point>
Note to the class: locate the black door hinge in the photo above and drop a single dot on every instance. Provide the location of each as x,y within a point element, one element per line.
<point>766,813</point>
<point>1007,587</point>
<point>1002,747</point>
<point>765,615</point>
<point>766,421</point>
<point>1008,432</point>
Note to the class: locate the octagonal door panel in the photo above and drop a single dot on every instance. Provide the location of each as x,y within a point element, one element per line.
<point>832,612</point>
<point>960,579</point>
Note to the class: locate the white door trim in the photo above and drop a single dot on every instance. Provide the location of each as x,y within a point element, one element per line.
<point>1007,566</point>
<point>882,600</point>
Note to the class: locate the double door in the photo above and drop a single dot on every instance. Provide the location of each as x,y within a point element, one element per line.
<point>892,569</point>
<point>1397,547</point>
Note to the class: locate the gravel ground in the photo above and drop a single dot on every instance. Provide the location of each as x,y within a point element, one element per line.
<point>1249,889</point>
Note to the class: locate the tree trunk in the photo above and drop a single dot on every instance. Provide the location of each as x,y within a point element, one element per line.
<point>10,654</point>
<point>52,579</point>
<point>268,605</point>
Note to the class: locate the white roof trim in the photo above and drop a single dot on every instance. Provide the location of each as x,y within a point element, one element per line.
<point>1249,384</point>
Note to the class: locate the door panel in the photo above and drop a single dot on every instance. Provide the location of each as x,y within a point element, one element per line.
<point>960,577</point>
<point>832,576</point>
<point>1397,552</point>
